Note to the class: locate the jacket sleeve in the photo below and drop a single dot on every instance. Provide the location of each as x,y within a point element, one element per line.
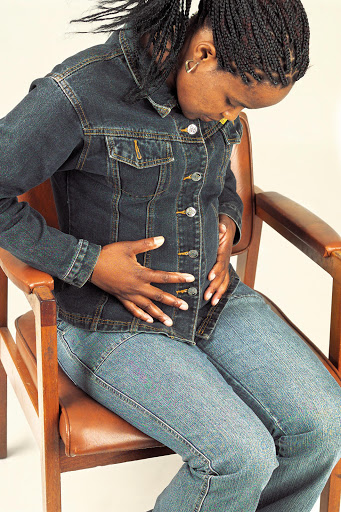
<point>36,138</point>
<point>230,203</point>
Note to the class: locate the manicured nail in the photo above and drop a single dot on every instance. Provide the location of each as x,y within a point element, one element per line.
<point>184,306</point>
<point>212,277</point>
<point>215,302</point>
<point>168,322</point>
<point>209,296</point>
<point>159,239</point>
<point>149,320</point>
<point>189,278</point>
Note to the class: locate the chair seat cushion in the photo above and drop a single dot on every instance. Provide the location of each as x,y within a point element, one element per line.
<point>86,427</point>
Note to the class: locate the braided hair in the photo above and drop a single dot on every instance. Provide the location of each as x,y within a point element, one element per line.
<point>262,40</point>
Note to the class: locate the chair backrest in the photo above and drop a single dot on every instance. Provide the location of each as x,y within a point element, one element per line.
<point>41,196</point>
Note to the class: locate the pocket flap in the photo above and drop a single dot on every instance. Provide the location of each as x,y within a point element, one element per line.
<point>140,153</point>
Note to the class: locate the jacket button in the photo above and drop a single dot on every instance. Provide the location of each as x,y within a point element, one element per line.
<point>192,291</point>
<point>190,212</point>
<point>196,176</point>
<point>193,253</point>
<point>192,129</point>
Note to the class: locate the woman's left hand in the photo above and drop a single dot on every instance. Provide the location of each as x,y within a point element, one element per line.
<point>219,275</point>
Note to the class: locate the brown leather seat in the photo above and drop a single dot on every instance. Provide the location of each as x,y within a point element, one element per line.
<point>86,427</point>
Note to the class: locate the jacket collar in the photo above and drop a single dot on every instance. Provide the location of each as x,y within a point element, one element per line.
<point>162,100</point>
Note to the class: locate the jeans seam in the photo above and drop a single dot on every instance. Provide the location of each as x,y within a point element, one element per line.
<point>102,361</point>
<point>273,419</point>
<point>137,405</point>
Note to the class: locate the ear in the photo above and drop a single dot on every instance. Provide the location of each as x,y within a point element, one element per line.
<point>205,51</point>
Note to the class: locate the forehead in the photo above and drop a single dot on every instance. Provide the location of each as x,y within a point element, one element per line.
<point>252,95</point>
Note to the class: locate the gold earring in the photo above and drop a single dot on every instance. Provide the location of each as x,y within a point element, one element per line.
<point>188,69</point>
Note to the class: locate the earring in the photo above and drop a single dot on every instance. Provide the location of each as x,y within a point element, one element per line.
<point>188,69</point>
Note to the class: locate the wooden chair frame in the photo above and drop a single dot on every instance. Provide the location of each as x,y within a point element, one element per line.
<point>299,226</point>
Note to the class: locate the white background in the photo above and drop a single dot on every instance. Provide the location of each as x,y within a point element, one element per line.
<point>297,152</point>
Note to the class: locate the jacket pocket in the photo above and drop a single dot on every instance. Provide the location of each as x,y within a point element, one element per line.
<point>142,166</point>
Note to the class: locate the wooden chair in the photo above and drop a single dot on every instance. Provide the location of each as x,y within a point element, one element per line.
<point>75,432</point>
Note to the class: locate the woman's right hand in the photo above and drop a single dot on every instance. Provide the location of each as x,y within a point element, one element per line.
<point>118,272</point>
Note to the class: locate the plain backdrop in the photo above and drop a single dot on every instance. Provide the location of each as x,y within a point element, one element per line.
<point>297,152</point>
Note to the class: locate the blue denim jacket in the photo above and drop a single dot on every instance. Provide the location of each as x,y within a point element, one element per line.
<point>118,172</point>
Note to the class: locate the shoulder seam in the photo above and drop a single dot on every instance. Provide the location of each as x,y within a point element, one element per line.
<point>95,58</point>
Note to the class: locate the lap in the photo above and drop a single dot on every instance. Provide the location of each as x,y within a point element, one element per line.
<point>270,367</point>
<point>167,389</point>
<point>253,379</point>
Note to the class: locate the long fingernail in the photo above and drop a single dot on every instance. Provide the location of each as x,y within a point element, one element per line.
<point>184,306</point>
<point>159,239</point>
<point>189,278</point>
<point>168,322</point>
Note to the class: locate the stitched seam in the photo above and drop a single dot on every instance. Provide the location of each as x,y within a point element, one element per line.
<point>228,374</point>
<point>137,405</point>
<point>86,62</point>
<point>80,246</point>
<point>71,96</point>
<point>81,161</point>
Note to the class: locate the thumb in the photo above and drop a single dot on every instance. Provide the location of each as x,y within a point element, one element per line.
<point>147,244</point>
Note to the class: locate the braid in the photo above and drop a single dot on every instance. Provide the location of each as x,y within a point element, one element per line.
<point>164,21</point>
<point>264,40</point>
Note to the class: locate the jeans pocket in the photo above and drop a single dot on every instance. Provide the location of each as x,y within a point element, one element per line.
<point>88,347</point>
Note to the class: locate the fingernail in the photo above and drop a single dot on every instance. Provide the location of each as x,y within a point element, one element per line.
<point>215,302</point>
<point>189,278</point>
<point>209,296</point>
<point>159,239</point>
<point>212,277</point>
<point>149,320</point>
<point>168,322</point>
<point>184,306</point>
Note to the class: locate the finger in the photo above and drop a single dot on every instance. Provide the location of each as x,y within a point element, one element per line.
<point>214,285</point>
<point>220,291</point>
<point>149,307</point>
<point>136,311</point>
<point>166,298</point>
<point>160,276</point>
<point>145,244</point>
<point>219,267</point>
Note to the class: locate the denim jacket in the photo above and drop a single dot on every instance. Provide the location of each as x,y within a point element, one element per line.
<point>118,172</point>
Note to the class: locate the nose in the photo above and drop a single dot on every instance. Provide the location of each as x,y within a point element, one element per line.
<point>232,113</point>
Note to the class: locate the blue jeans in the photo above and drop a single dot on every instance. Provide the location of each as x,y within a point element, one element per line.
<point>252,411</point>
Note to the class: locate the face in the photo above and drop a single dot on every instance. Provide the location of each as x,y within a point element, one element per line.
<point>211,94</point>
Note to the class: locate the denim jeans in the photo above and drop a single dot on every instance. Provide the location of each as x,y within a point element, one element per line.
<point>252,411</point>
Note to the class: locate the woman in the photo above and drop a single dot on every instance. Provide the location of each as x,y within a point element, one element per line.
<point>154,323</point>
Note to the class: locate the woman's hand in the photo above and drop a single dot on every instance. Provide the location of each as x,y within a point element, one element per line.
<point>118,272</point>
<point>219,275</point>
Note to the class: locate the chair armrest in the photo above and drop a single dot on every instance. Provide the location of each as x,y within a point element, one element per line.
<point>23,276</point>
<point>301,226</point>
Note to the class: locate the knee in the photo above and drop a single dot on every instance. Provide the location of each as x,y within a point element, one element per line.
<point>254,456</point>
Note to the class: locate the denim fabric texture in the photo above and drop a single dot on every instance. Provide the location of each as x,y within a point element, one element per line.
<point>252,411</point>
<point>119,172</point>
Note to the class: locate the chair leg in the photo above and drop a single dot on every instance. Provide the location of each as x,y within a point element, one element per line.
<point>330,497</point>
<point>51,489</point>
<point>3,413</point>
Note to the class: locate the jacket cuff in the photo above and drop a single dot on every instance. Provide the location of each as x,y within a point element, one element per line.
<point>227,209</point>
<point>83,263</point>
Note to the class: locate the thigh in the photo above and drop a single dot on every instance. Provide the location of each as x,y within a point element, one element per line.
<point>168,389</point>
<point>271,368</point>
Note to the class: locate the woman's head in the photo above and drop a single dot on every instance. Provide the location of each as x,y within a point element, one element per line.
<point>251,50</point>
